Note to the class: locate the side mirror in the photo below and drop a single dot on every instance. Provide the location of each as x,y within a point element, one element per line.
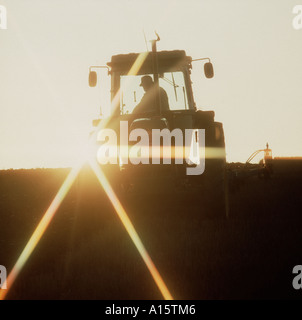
<point>208,70</point>
<point>92,79</point>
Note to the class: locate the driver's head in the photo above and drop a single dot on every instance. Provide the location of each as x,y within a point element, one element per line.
<point>146,82</point>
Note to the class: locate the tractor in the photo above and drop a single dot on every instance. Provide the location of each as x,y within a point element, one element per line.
<point>190,159</point>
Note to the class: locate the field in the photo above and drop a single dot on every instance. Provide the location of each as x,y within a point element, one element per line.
<point>87,254</point>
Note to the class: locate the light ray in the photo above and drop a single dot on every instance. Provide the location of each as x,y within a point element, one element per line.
<point>57,201</point>
<point>116,99</point>
<point>131,230</point>
<point>39,231</point>
<point>159,154</point>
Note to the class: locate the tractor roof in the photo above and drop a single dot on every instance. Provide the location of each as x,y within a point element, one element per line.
<point>167,60</point>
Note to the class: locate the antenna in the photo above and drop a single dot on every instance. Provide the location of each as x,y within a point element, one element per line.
<point>145,40</point>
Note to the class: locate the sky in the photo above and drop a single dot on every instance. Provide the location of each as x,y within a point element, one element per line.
<point>47,107</point>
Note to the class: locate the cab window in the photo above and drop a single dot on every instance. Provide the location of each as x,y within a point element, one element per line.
<point>173,83</point>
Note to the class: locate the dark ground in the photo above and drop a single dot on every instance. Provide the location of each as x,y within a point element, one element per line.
<point>87,254</point>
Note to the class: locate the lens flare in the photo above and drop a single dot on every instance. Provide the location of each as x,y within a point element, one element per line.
<point>41,228</point>
<point>57,201</point>
<point>131,231</point>
<point>52,209</point>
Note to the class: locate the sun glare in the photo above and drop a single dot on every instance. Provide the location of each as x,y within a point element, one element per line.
<point>88,154</point>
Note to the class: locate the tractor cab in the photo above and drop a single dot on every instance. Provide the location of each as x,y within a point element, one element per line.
<point>173,76</point>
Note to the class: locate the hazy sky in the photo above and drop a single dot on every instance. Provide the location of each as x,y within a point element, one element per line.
<point>46,106</point>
